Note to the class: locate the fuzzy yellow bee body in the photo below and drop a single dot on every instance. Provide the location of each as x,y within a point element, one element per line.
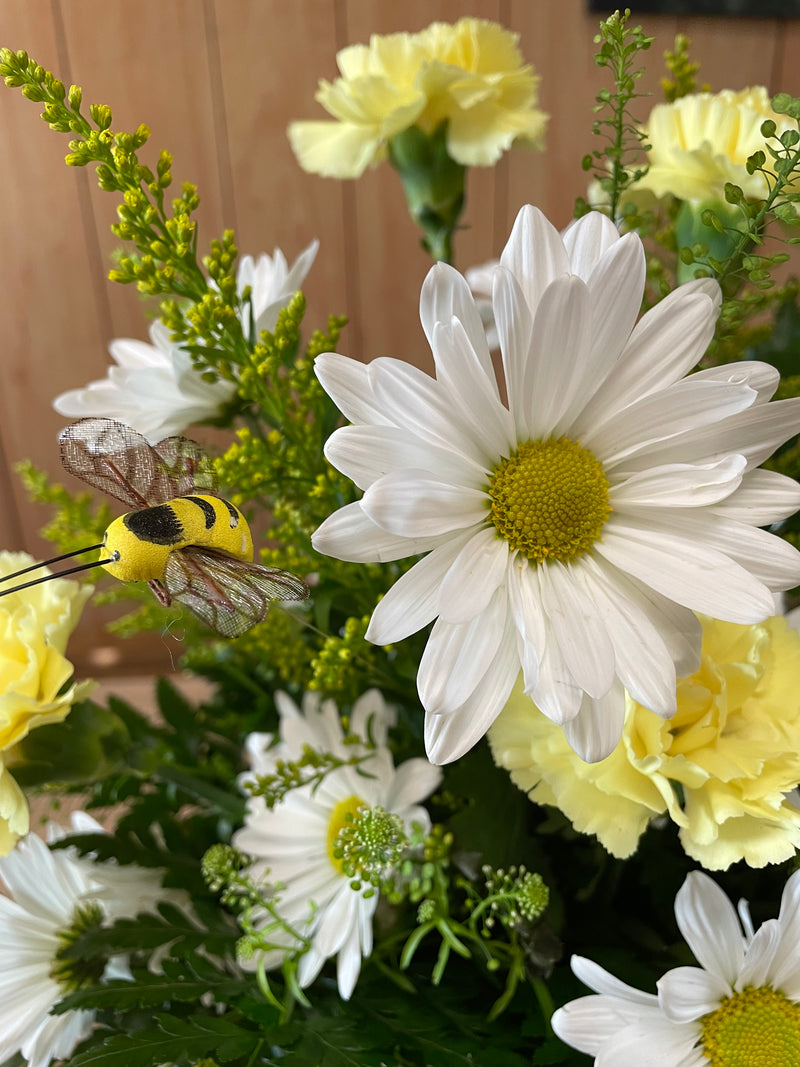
<point>141,542</point>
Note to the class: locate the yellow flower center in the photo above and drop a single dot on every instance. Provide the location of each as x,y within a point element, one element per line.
<point>339,819</point>
<point>755,1028</point>
<point>550,499</point>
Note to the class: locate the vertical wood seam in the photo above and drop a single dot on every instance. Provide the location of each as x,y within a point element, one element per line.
<point>98,277</point>
<point>352,272</point>
<point>219,117</point>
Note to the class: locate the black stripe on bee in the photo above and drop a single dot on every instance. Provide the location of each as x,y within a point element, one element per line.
<point>209,515</point>
<point>158,525</point>
<point>234,514</point>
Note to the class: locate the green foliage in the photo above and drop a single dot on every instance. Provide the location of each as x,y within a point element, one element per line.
<point>683,72</point>
<point>78,520</point>
<point>617,165</point>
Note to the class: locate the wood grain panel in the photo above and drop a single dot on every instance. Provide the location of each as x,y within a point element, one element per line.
<point>264,87</point>
<point>48,312</point>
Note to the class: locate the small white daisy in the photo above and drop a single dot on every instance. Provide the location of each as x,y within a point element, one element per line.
<point>739,1008</point>
<point>48,893</point>
<point>155,388</point>
<point>573,532</point>
<point>292,845</point>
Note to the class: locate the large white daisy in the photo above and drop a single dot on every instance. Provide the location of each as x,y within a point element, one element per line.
<point>156,388</point>
<point>291,845</point>
<point>740,1007</point>
<point>572,532</point>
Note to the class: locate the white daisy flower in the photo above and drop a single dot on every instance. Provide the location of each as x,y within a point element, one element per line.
<point>155,388</point>
<point>48,894</point>
<point>572,532</point>
<point>741,1006</point>
<point>292,845</point>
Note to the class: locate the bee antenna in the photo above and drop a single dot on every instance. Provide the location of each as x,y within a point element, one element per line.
<point>61,574</point>
<point>47,562</point>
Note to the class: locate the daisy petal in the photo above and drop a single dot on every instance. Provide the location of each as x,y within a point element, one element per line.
<point>682,485</point>
<point>347,383</point>
<point>514,325</point>
<point>415,503</point>
<point>687,993</point>
<point>763,497</point>
<point>595,731</point>
<point>587,241</point>
<point>474,576</point>
<point>458,655</point>
<point>601,981</point>
<point>707,920</point>
<point>413,600</point>
<point>446,294</point>
<point>365,453</point>
<point>350,534</point>
<point>694,575</point>
<point>534,254</point>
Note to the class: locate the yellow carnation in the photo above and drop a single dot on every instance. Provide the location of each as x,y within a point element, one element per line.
<point>703,140</point>
<point>35,625</point>
<point>721,768</point>
<point>470,74</point>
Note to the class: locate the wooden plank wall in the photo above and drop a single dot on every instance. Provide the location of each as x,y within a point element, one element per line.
<point>218,81</point>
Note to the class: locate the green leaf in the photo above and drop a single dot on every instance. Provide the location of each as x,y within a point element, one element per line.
<point>173,1041</point>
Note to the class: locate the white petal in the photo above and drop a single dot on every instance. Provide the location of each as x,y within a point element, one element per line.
<point>762,377</point>
<point>686,571</point>
<point>768,558</point>
<point>758,967</point>
<point>560,342</point>
<point>415,503</point>
<point>460,373</point>
<point>413,600</point>
<point>616,282</point>
<point>595,731</point>
<point>350,534</point>
<point>577,627</point>
<point>643,662</point>
<point>601,981</point>
<point>664,415</point>
<point>514,324</point>
<point>707,920</point>
<point>347,383</point>
<point>448,737</point>
<point>680,485</point>
<point>366,453</point>
<point>457,656</point>
<point>534,254</point>
<point>556,693</point>
<point>414,401</point>
<point>475,574</point>
<point>665,344</point>
<point>445,293</point>
<point>763,497</point>
<point>412,782</point>
<point>587,240</point>
<point>688,993</point>
<point>755,433</point>
<point>528,617</point>
<point>785,971</point>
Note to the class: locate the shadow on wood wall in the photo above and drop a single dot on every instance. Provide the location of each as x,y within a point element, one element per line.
<point>218,81</point>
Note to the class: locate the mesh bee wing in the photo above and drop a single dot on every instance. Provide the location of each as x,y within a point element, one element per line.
<point>228,594</point>
<point>115,458</point>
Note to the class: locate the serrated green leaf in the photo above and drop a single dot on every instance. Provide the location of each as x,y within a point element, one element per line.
<point>172,1041</point>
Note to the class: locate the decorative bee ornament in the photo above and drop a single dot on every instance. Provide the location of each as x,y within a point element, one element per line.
<point>185,540</point>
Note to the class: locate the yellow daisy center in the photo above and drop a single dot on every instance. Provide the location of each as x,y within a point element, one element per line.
<point>344,813</point>
<point>550,499</point>
<point>758,1027</point>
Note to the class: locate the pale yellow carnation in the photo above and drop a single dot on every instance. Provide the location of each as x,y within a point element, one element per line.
<point>703,140</point>
<point>35,625</point>
<point>470,74</point>
<point>732,750</point>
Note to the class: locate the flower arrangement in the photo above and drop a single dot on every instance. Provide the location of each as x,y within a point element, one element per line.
<point>510,662</point>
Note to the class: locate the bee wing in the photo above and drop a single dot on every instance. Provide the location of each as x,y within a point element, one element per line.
<point>228,594</point>
<point>115,458</point>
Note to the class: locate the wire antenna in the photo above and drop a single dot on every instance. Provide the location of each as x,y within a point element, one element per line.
<point>61,574</point>
<point>47,562</point>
